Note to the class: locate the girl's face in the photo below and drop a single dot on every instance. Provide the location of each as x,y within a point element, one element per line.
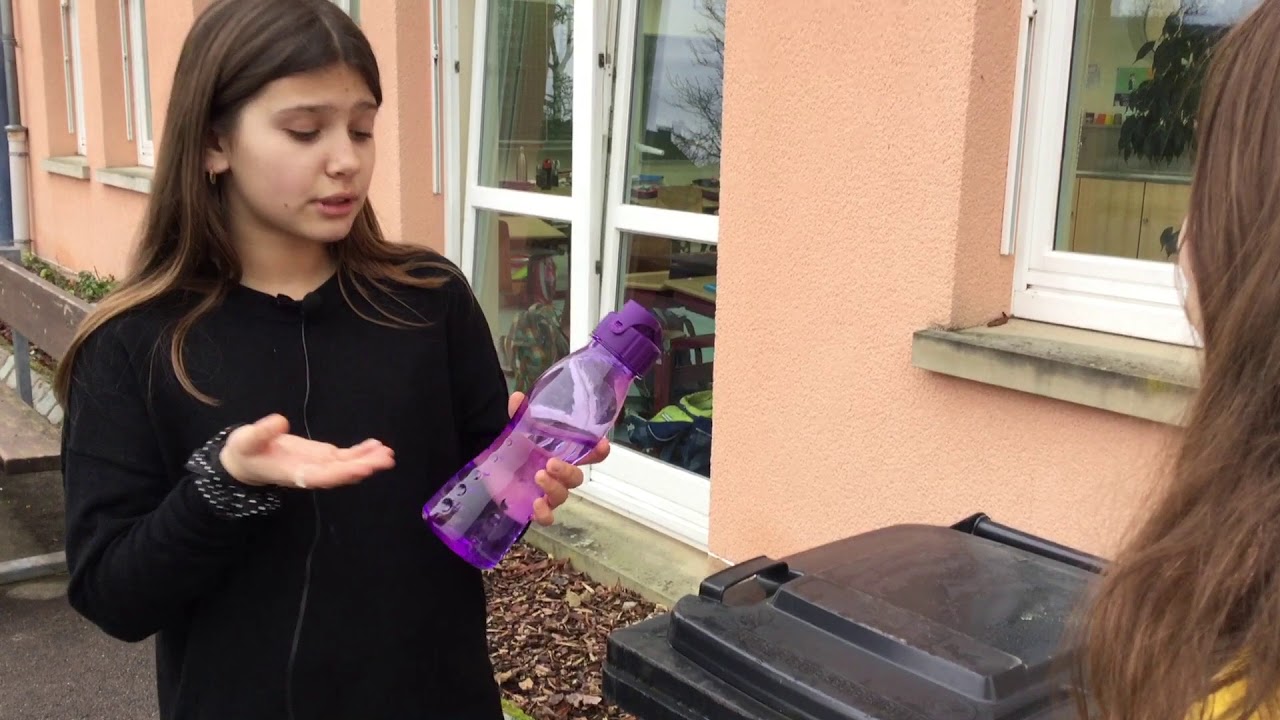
<point>298,161</point>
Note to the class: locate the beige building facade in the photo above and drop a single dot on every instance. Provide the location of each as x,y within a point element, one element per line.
<point>944,289</point>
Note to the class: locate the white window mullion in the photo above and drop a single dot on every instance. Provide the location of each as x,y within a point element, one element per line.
<point>126,41</point>
<point>436,160</point>
<point>140,57</point>
<point>589,26</point>
<point>470,255</point>
<point>522,203</point>
<point>452,147</point>
<point>674,224</point>
<point>73,72</point>
<point>68,65</point>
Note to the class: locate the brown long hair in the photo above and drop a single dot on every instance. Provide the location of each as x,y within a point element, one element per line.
<point>234,49</point>
<point>1192,603</point>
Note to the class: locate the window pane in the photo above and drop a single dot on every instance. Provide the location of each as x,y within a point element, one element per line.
<point>526,140</point>
<point>1137,67</point>
<point>522,280</point>
<point>674,155</point>
<point>668,414</point>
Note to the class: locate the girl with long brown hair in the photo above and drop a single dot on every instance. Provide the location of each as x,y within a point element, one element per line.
<point>256,417</point>
<point>1187,621</point>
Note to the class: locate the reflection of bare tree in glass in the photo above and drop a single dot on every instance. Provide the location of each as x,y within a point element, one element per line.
<point>703,97</point>
<point>559,104</point>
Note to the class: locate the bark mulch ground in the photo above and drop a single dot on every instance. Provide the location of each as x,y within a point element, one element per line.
<point>548,626</point>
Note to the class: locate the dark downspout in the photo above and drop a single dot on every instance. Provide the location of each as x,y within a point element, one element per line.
<point>14,239</point>
<point>14,226</point>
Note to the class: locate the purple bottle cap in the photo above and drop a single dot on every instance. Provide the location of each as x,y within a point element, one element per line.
<point>633,335</point>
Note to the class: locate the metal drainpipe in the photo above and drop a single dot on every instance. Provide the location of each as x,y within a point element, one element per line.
<point>13,247</point>
<point>17,137</point>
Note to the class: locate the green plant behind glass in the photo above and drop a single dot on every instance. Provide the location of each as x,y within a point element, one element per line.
<point>1161,121</point>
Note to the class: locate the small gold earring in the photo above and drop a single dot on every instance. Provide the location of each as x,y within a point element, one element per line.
<point>213,178</point>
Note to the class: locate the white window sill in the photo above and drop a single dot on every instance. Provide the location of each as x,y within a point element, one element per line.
<point>1124,375</point>
<point>137,179</point>
<point>72,166</point>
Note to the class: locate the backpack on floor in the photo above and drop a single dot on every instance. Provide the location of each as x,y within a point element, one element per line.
<point>678,434</point>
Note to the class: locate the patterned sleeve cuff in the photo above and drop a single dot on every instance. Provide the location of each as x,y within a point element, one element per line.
<point>228,497</point>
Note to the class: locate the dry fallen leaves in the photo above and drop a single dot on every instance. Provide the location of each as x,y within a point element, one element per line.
<point>548,626</point>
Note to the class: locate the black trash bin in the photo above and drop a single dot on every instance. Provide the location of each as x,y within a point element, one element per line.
<point>910,621</point>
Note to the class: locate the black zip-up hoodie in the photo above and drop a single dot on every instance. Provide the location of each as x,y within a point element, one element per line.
<point>340,603</point>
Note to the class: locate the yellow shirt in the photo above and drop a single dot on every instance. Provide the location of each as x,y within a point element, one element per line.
<point>1221,702</point>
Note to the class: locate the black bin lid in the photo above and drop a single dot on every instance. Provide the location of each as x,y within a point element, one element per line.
<point>911,621</point>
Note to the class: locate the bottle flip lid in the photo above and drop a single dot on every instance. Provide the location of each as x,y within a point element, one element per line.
<point>632,334</point>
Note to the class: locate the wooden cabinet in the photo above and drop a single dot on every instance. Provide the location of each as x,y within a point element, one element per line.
<point>1125,218</point>
<point>1108,217</point>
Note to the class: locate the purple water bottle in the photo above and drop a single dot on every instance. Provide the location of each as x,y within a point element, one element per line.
<point>483,509</point>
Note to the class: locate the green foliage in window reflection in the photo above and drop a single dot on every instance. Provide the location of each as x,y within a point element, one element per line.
<point>558,108</point>
<point>1161,120</point>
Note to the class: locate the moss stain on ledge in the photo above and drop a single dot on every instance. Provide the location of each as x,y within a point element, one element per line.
<point>1143,379</point>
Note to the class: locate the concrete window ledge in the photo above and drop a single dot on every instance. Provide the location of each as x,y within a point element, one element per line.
<point>1140,378</point>
<point>137,179</point>
<point>72,166</point>
<point>615,550</point>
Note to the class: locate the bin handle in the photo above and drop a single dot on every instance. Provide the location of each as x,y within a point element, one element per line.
<point>715,586</point>
<point>981,525</point>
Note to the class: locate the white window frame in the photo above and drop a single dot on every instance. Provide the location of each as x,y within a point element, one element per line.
<point>1114,295</point>
<point>670,499</point>
<point>449,147</point>
<point>73,74</point>
<point>663,496</point>
<point>133,41</point>
<point>583,208</point>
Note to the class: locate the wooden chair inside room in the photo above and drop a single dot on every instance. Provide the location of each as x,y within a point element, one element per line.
<point>648,253</point>
<point>511,292</point>
<point>693,371</point>
<point>680,197</point>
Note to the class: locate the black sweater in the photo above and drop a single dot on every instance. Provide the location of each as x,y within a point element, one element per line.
<point>393,624</point>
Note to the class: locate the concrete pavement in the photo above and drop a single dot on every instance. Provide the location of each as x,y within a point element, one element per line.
<point>30,514</point>
<point>54,665</point>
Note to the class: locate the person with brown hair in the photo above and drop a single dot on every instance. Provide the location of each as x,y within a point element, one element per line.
<point>222,490</point>
<point>1186,623</point>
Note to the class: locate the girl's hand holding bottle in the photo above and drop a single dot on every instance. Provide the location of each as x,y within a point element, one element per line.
<point>559,477</point>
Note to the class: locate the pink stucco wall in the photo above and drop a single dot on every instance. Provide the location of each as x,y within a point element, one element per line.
<point>865,151</point>
<point>84,224</point>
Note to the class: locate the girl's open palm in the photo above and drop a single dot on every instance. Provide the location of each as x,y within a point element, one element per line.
<point>265,454</point>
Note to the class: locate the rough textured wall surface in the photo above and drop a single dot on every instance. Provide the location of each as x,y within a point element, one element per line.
<point>865,149</point>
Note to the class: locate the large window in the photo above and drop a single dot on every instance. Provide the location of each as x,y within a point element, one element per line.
<point>522,228</point>
<point>594,179</point>
<point>1103,156</point>
<point>137,76</point>
<point>664,203</point>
